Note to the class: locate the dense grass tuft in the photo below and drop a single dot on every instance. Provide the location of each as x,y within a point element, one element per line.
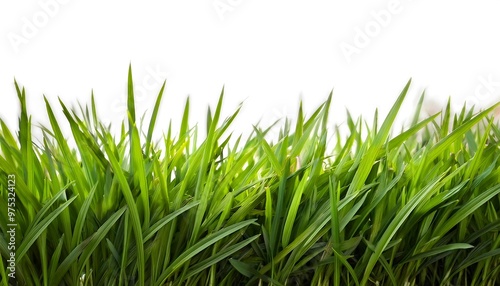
<point>418,208</point>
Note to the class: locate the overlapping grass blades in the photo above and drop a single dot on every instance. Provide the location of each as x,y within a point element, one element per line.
<point>417,208</point>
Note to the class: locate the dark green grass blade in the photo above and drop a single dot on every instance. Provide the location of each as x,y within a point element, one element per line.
<point>201,245</point>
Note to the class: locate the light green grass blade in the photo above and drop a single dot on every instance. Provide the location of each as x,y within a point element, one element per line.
<point>152,121</point>
<point>82,216</point>
<point>292,210</point>
<point>468,208</point>
<point>395,225</point>
<point>366,163</point>
<point>130,99</point>
<point>134,213</point>
<point>442,145</point>
<point>438,250</point>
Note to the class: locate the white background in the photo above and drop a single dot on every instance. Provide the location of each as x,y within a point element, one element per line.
<point>268,54</point>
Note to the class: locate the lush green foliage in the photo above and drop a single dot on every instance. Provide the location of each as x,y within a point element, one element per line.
<point>419,208</point>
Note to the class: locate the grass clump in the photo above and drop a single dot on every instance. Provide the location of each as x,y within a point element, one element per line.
<point>418,208</point>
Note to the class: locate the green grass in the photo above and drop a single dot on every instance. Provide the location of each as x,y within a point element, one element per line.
<point>420,207</point>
